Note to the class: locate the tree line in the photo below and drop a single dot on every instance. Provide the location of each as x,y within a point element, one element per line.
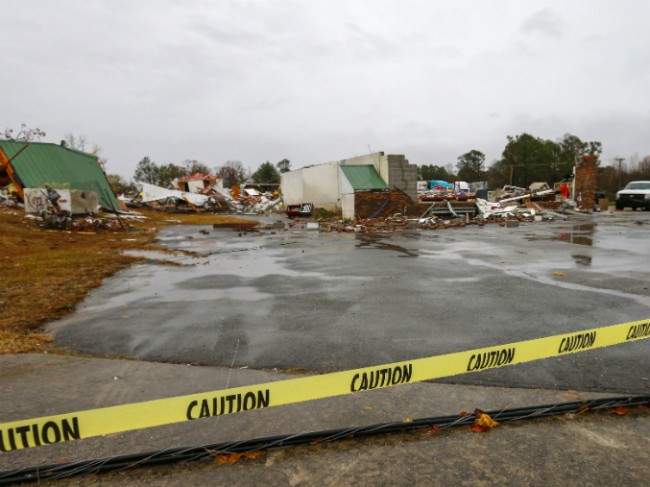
<point>527,159</point>
<point>232,173</point>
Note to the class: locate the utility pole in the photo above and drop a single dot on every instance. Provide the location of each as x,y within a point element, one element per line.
<point>620,170</point>
<point>573,183</point>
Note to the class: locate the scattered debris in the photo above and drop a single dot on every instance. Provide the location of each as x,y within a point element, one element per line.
<point>483,422</point>
<point>449,213</point>
<point>210,198</point>
<point>238,226</point>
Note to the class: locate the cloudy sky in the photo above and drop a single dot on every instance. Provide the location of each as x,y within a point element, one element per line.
<point>320,80</point>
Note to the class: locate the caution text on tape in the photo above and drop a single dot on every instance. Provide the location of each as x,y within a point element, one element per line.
<point>46,430</point>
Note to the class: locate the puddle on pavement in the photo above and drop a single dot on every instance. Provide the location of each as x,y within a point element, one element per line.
<point>582,234</point>
<point>580,259</point>
<point>378,243</point>
<point>248,261</point>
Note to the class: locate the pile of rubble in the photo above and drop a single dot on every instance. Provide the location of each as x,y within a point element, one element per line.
<point>54,221</point>
<point>507,212</point>
<point>440,193</point>
<point>395,223</point>
<point>212,197</point>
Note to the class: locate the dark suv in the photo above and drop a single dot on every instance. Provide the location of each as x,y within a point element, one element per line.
<point>636,194</point>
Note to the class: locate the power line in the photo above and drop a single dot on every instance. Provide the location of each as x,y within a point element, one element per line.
<point>175,455</point>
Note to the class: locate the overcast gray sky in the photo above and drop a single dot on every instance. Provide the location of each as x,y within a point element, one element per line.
<point>315,81</point>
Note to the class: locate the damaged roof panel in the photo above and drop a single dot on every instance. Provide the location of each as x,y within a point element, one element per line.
<point>363,177</point>
<point>43,163</point>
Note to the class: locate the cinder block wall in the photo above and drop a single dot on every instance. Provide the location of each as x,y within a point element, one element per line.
<point>402,175</point>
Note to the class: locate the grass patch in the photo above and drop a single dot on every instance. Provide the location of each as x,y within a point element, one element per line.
<point>323,214</point>
<point>46,273</point>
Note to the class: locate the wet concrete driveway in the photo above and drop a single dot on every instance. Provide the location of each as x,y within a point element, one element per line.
<point>326,301</point>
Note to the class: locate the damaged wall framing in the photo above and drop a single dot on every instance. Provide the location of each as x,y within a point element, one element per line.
<point>36,164</point>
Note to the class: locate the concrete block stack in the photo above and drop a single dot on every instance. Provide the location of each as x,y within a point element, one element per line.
<point>402,175</point>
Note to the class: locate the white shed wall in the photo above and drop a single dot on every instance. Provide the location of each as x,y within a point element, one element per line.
<point>321,185</point>
<point>345,185</point>
<point>347,206</point>
<point>292,187</point>
<point>314,184</point>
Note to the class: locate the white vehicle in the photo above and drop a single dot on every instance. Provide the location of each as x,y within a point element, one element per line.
<point>636,194</point>
<point>461,187</point>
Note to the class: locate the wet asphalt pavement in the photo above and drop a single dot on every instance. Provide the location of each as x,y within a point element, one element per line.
<point>591,449</point>
<point>328,301</point>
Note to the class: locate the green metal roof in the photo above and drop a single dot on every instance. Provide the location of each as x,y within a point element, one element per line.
<point>59,167</point>
<point>363,177</point>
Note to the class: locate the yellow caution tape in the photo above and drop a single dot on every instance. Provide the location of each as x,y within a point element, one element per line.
<point>46,430</point>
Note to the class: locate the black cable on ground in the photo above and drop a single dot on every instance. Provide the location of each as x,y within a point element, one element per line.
<point>381,208</point>
<point>173,455</point>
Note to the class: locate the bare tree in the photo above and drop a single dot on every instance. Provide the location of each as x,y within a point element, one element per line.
<point>232,173</point>
<point>80,143</point>
<point>76,142</point>
<point>192,166</point>
<point>25,134</point>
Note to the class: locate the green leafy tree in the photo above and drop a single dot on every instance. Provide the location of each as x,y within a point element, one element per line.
<point>168,172</point>
<point>572,150</point>
<point>284,165</point>
<point>471,166</point>
<point>148,171</point>
<point>266,173</point>
<point>497,177</point>
<point>119,185</point>
<point>526,159</point>
<point>232,173</point>
<point>430,172</point>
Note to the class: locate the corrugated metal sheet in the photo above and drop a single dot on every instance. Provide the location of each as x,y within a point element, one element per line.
<point>43,163</point>
<point>363,177</point>
<point>151,192</point>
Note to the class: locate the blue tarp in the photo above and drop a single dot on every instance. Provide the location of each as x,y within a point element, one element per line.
<point>440,182</point>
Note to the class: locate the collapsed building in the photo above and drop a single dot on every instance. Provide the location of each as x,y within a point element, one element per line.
<point>379,192</point>
<point>344,186</point>
<point>27,166</point>
<point>203,193</point>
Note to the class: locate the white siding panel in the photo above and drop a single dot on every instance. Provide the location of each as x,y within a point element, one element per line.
<point>292,187</point>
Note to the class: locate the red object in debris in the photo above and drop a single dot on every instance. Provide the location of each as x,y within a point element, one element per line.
<point>304,209</point>
<point>564,189</point>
